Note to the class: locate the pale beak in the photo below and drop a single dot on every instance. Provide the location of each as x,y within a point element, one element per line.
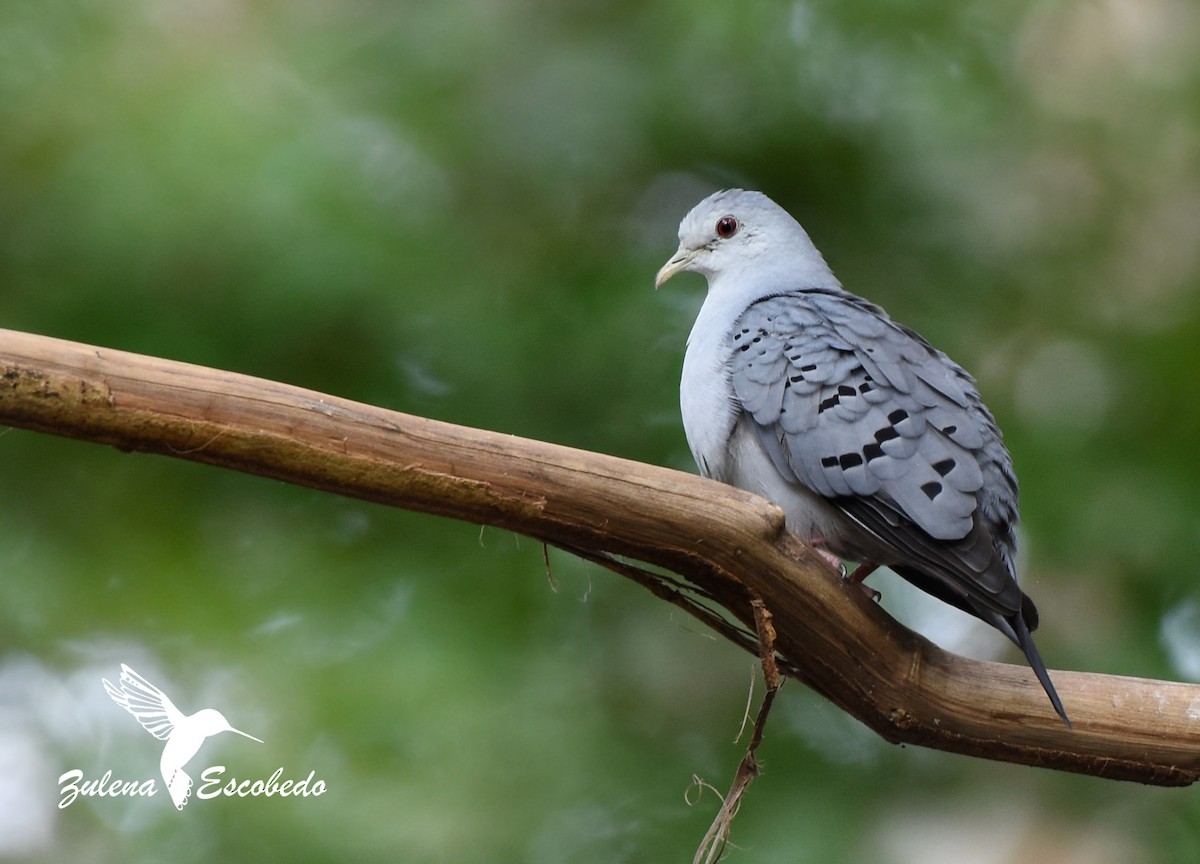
<point>245,734</point>
<point>679,261</point>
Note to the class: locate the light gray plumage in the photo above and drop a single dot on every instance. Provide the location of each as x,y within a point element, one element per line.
<point>877,445</point>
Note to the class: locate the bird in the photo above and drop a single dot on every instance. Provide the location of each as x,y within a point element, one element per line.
<point>876,445</point>
<point>159,716</point>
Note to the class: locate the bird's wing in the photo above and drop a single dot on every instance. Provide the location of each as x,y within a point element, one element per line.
<point>149,705</point>
<point>864,412</point>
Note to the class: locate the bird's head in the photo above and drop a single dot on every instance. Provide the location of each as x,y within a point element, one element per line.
<point>735,231</point>
<point>211,721</point>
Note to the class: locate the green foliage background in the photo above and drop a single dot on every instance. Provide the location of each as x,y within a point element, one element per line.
<point>456,210</point>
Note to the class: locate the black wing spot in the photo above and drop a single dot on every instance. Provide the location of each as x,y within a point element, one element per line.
<point>829,461</point>
<point>873,451</point>
<point>931,489</point>
<point>887,434</point>
<point>949,430</point>
<point>832,402</point>
<point>897,416</point>
<point>944,467</point>
<point>809,367</point>
<point>845,390</point>
<point>850,460</point>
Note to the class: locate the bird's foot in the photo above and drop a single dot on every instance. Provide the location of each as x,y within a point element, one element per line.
<point>832,560</point>
<point>861,572</point>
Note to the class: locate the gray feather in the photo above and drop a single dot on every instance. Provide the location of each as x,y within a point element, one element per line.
<point>856,407</point>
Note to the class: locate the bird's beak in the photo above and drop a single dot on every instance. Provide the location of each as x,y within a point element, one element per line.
<point>679,261</point>
<point>244,734</point>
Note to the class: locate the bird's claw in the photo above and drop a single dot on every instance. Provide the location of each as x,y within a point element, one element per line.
<point>832,560</point>
<point>861,572</point>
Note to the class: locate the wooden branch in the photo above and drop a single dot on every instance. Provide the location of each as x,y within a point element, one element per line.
<point>729,543</point>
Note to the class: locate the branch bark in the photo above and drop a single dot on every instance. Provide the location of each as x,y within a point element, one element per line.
<point>730,544</point>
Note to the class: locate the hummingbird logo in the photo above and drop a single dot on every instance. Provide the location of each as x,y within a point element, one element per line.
<point>183,733</point>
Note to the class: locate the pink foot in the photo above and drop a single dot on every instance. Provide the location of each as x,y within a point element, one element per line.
<point>832,560</point>
<point>861,572</point>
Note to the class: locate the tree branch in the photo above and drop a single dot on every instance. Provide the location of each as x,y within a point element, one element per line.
<point>728,543</point>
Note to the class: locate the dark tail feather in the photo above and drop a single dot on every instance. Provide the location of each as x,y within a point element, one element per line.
<point>1025,642</point>
<point>1016,627</point>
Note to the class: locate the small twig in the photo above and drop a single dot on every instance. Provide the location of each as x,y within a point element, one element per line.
<point>673,591</point>
<point>746,711</point>
<point>713,844</point>
<point>549,571</point>
<point>679,593</point>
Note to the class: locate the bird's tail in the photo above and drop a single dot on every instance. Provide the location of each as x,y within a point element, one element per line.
<point>1016,627</point>
<point>1025,642</point>
<point>179,784</point>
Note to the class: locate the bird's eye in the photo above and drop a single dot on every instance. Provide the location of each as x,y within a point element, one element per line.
<point>727,226</point>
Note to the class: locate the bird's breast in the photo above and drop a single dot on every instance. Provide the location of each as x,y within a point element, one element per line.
<point>706,399</point>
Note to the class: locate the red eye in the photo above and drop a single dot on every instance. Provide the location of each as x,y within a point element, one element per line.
<point>727,226</point>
